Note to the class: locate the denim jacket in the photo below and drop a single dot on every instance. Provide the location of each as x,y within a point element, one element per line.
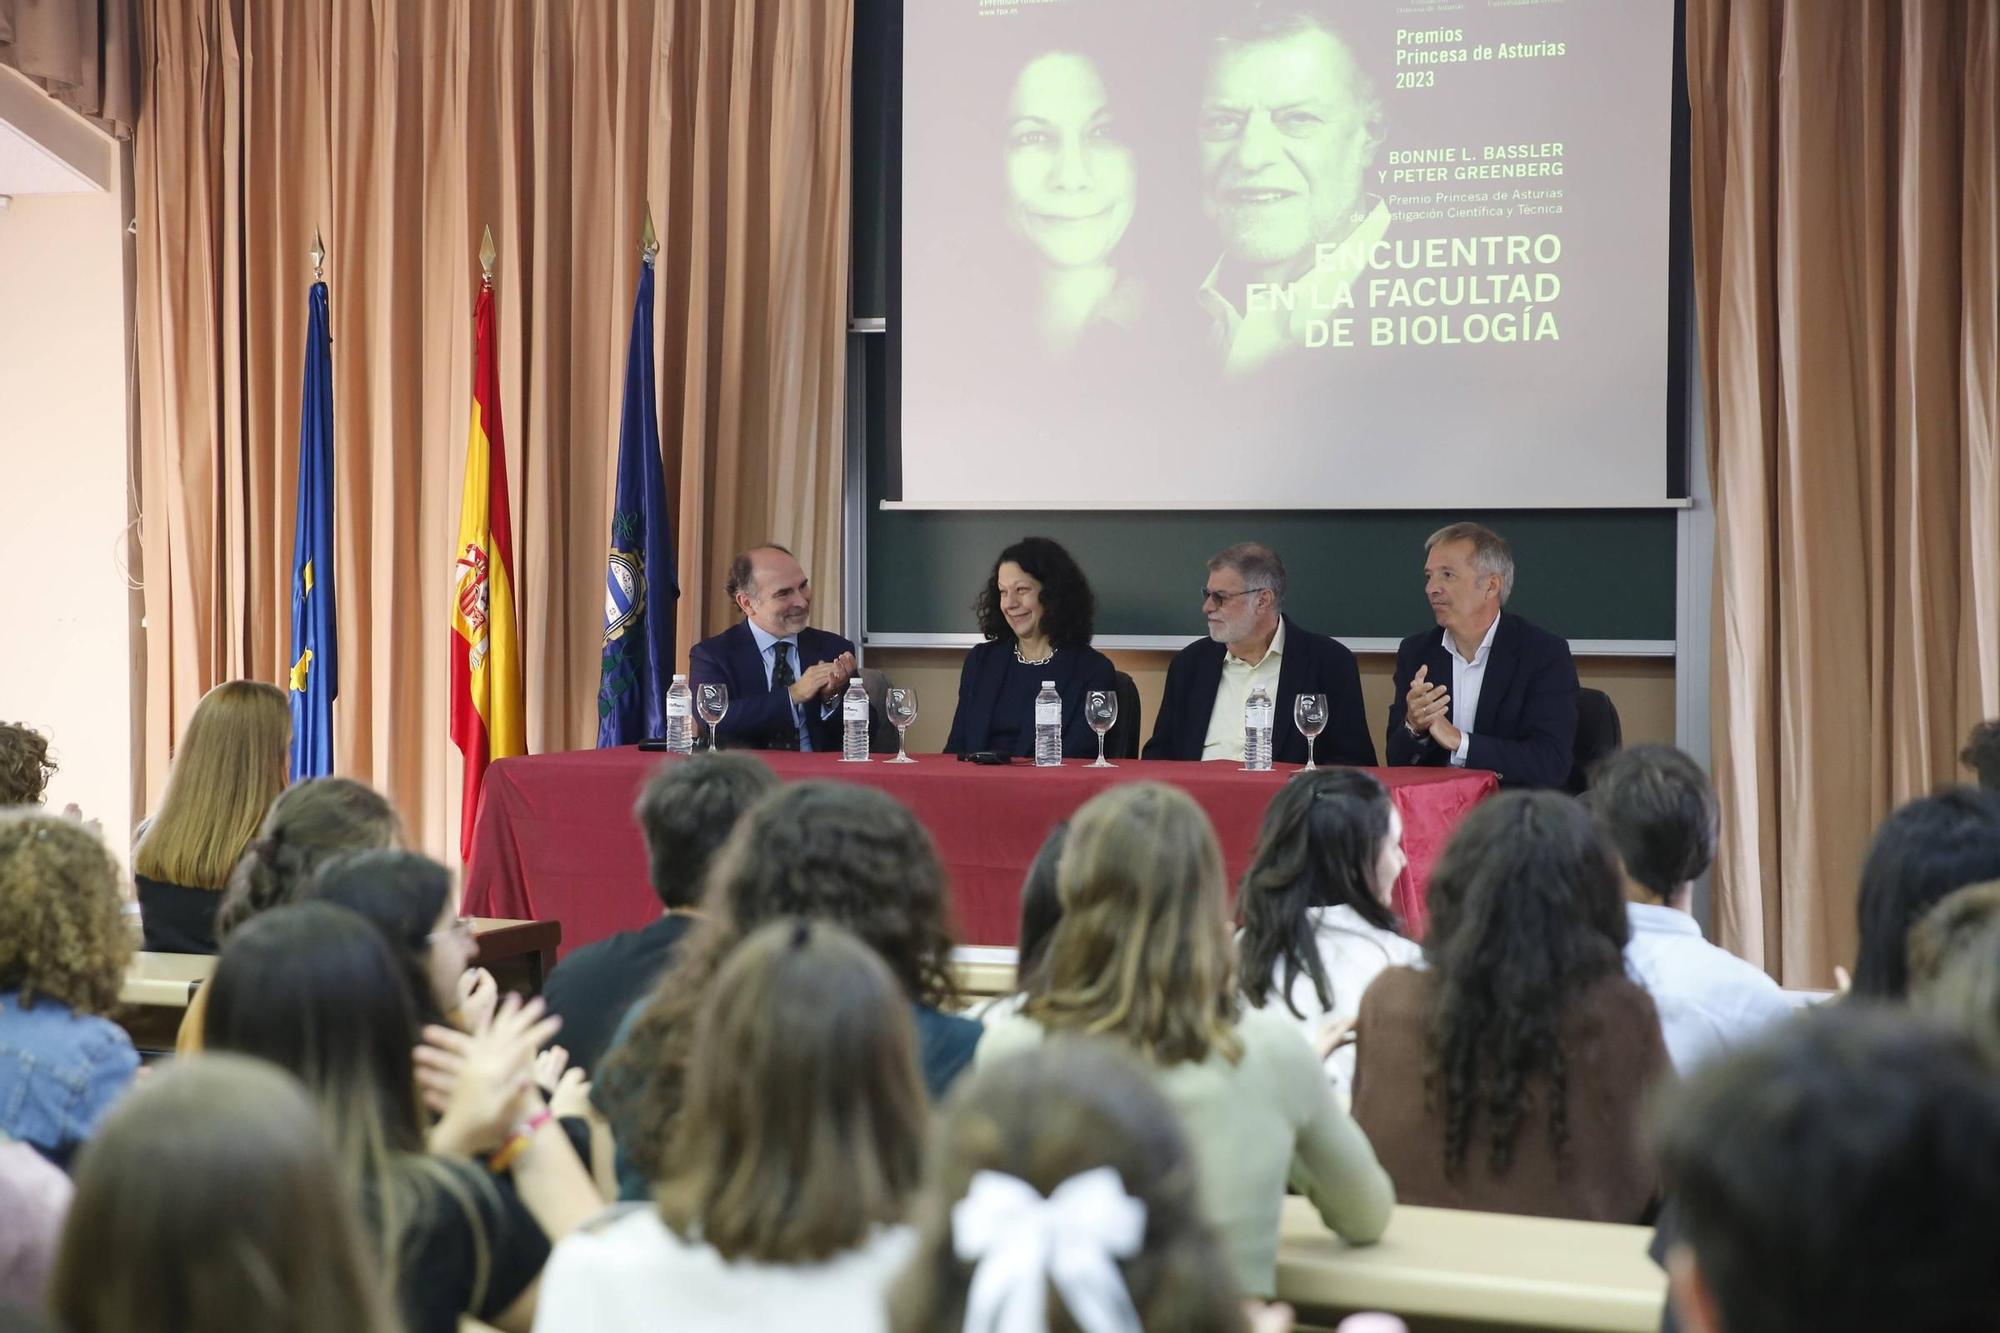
<point>59,1071</point>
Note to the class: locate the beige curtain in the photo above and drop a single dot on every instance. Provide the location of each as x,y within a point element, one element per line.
<point>398,128</point>
<point>1846,200</point>
<point>85,52</point>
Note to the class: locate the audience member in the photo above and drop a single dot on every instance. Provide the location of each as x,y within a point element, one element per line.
<point>1839,1175</point>
<point>1923,852</point>
<point>1982,754</point>
<point>1143,954</point>
<point>1656,808</point>
<point>229,768</point>
<point>313,988</point>
<point>63,950</point>
<point>1317,925</point>
<point>34,1199</point>
<point>308,825</point>
<point>1510,1073</point>
<point>407,896</point>
<point>1955,965</point>
<point>25,766</point>
<point>787,1177</point>
<point>1041,908</point>
<point>1061,1183</point>
<point>210,1200</point>
<point>685,812</point>
<point>825,851</point>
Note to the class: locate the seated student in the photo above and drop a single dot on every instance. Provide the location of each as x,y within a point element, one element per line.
<point>1656,808</point>
<point>785,1183</point>
<point>1143,955</point>
<point>1067,1148</point>
<point>210,1200</point>
<point>1037,613</point>
<point>1485,689</point>
<point>1041,908</point>
<point>228,769</point>
<point>1982,754</point>
<point>407,896</point>
<point>1317,926</point>
<point>685,812</point>
<point>309,824</point>
<point>1955,965</point>
<point>34,1200</point>
<point>1839,1175</point>
<point>1511,1074</point>
<point>1923,852</point>
<point>25,766</point>
<point>63,950</point>
<point>825,851</point>
<point>1251,642</point>
<point>314,989</point>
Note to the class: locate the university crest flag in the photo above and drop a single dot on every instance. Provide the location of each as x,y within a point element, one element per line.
<point>487,701</point>
<point>640,586</point>
<point>315,674</point>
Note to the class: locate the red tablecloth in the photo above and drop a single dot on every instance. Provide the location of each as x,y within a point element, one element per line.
<point>555,838</point>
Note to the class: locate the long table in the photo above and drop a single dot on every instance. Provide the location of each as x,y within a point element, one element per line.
<point>555,838</point>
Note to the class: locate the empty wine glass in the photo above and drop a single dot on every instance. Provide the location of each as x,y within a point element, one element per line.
<point>901,706</point>
<point>1100,709</point>
<point>1309,711</point>
<point>711,700</point>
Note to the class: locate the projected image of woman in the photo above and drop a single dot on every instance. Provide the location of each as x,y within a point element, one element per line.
<point>1072,189</point>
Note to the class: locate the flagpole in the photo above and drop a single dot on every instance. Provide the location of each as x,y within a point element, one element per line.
<point>318,255</point>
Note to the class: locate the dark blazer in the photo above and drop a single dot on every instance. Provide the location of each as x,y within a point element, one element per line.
<point>1076,672</point>
<point>1525,729</point>
<point>757,715</point>
<point>1312,664</point>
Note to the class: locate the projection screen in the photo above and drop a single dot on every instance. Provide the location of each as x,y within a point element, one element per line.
<point>1195,254</point>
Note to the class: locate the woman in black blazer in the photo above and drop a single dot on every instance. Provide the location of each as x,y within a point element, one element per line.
<point>1036,612</point>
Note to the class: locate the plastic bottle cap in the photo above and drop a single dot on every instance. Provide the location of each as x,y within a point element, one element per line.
<point>1048,684</point>
<point>678,680</point>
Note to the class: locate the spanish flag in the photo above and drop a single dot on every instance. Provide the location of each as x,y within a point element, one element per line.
<point>487,710</point>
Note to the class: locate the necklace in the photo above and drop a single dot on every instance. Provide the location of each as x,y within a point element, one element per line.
<point>1043,660</point>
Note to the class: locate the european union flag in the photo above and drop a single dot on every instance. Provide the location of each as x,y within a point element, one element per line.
<point>315,662</point>
<point>640,584</point>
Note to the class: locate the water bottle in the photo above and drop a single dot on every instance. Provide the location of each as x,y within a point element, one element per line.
<point>854,723</point>
<point>1048,727</point>
<point>1258,716</point>
<point>680,717</point>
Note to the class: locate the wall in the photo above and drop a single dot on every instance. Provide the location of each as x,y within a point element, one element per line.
<point>1641,687</point>
<point>64,596</point>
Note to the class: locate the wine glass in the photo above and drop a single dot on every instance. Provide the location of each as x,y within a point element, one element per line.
<point>901,706</point>
<point>1309,711</point>
<point>711,700</point>
<point>1100,709</point>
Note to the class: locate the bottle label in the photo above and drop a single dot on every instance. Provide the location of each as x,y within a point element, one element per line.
<point>1258,715</point>
<point>677,706</point>
<point>1048,714</point>
<point>854,710</point>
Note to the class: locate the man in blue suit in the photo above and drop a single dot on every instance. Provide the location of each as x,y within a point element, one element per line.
<point>1485,689</point>
<point>785,678</point>
<point>1251,642</point>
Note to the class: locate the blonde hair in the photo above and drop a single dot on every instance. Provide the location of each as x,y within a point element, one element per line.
<point>1955,964</point>
<point>230,766</point>
<point>62,929</point>
<point>1142,952</point>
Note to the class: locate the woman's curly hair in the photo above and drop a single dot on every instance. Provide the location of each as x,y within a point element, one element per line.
<point>25,766</point>
<point>1527,913</point>
<point>308,825</point>
<point>822,851</point>
<point>1069,608</point>
<point>62,927</point>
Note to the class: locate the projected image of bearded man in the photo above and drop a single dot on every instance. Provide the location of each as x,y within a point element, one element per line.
<point>1289,126</point>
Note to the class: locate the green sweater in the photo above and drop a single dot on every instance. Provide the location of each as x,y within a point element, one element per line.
<point>1254,1124</point>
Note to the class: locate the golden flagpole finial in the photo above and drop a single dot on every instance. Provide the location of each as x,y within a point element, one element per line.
<point>487,254</point>
<point>318,253</point>
<point>649,240</point>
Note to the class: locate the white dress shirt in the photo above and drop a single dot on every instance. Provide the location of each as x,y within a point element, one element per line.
<point>1225,720</point>
<point>768,647</point>
<point>1709,999</point>
<point>1282,320</point>
<point>1354,953</point>
<point>630,1271</point>
<point>1467,679</point>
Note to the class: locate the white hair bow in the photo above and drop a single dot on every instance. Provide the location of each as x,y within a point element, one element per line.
<point>1021,1242</point>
